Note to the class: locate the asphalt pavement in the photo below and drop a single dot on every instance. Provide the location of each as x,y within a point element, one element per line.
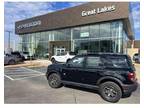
<point>29,85</point>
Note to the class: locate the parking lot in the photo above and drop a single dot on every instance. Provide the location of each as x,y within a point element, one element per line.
<point>29,85</point>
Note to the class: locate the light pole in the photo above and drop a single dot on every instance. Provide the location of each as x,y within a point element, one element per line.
<point>9,32</point>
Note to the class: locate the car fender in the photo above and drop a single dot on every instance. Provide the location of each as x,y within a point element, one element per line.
<point>52,71</point>
<point>109,78</point>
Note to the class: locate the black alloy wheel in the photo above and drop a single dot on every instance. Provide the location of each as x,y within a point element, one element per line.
<point>54,80</point>
<point>110,92</point>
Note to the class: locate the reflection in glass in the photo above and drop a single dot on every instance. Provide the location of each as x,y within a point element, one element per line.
<point>100,37</point>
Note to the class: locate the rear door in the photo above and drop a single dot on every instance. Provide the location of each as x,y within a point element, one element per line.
<point>93,70</point>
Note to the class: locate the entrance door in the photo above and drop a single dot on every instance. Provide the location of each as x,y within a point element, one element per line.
<point>59,51</point>
<point>58,47</point>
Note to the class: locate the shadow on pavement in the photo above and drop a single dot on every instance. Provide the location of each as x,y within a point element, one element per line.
<point>89,90</point>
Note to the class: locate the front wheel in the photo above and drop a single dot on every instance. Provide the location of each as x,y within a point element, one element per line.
<point>54,80</point>
<point>110,91</point>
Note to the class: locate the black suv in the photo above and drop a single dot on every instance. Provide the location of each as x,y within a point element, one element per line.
<point>18,55</point>
<point>112,74</point>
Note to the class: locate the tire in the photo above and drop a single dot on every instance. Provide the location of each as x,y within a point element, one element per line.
<point>11,62</point>
<point>54,80</point>
<point>53,60</point>
<point>110,91</point>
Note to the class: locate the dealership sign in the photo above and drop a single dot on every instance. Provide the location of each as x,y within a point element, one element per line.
<point>85,34</point>
<point>98,10</point>
<point>30,24</point>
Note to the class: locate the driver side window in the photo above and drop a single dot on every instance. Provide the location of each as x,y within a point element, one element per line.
<point>76,62</point>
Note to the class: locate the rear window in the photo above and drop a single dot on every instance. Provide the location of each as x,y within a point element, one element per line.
<point>25,52</point>
<point>117,62</point>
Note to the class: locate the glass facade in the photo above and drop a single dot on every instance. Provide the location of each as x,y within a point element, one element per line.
<point>100,37</point>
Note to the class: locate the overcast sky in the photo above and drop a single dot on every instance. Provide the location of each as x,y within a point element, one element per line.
<point>15,11</point>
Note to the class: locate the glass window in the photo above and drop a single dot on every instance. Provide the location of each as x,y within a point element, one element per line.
<point>51,36</point>
<point>94,31</point>
<point>76,62</point>
<point>37,36</point>
<point>67,34</point>
<point>56,37</point>
<point>33,37</point>
<point>41,49</point>
<point>106,46</point>
<point>84,32</point>
<point>105,30</point>
<point>61,35</point>
<point>47,36</point>
<point>28,37</point>
<point>76,33</point>
<point>117,62</point>
<point>116,29</point>
<point>25,38</point>
<point>93,62</point>
<point>42,37</point>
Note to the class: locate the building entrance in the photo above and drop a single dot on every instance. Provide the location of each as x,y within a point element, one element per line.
<point>59,47</point>
<point>59,51</point>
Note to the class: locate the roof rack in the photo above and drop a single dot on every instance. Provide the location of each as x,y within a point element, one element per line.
<point>94,53</point>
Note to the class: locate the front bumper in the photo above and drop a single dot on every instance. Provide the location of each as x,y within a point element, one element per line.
<point>129,88</point>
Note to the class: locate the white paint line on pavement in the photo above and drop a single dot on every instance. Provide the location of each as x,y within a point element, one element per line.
<point>30,70</point>
<point>28,77</point>
<point>8,77</point>
<point>25,74</point>
<point>28,73</point>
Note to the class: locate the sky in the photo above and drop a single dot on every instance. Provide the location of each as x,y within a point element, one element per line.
<point>15,11</point>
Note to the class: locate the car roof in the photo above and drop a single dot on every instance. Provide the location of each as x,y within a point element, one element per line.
<point>102,54</point>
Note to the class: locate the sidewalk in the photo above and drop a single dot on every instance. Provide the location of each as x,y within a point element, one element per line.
<point>32,63</point>
<point>137,67</point>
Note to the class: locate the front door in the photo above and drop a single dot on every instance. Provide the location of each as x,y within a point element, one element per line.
<point>72,72</point>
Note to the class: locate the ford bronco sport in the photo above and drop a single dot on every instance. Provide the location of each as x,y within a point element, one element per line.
<point>113,75</point>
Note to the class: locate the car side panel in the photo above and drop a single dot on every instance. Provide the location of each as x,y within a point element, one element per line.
<point>71,74</point>
<point>90,76</point>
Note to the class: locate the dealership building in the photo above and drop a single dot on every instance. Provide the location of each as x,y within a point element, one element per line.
<point>90,27</point>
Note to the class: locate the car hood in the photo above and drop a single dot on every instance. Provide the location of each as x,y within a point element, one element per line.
<point>56,66</point>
